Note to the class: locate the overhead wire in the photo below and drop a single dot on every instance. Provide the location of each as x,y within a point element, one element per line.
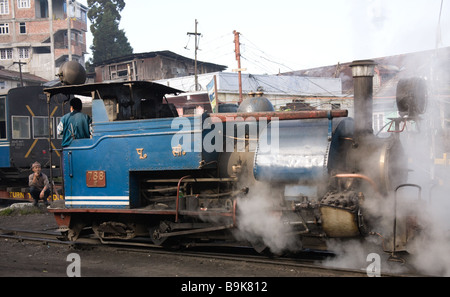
<point>261,54</point>
<point>216,48</point>
<point>220,47</point>
<point>272,60</point>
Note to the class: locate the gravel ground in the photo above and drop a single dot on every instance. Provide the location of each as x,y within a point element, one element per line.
<point>26,259</point>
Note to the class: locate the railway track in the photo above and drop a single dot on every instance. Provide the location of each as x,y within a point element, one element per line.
<point>304,260</point>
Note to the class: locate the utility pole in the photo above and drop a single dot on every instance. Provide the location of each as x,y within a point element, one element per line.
<point>69,29</point>
<point>196,48</point>
<point>20,71</point>
<point>238,59</point>
<point>52,37</point>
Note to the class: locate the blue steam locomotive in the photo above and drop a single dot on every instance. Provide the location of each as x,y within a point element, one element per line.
<point>277,180</point>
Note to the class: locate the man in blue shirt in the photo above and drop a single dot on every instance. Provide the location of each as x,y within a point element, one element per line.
<point>74,125</point>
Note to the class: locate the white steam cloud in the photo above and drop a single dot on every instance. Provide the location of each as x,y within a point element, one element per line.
<point>260,224</point>
<point>424,142</point>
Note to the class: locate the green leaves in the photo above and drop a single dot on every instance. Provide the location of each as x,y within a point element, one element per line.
<point>109,41</point>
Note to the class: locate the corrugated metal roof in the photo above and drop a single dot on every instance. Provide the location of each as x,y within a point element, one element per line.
<point>147,55</point>
<point>269,84</point>
<point>14,75</point>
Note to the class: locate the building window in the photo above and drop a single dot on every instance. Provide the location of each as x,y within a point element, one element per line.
<point>6,54</point>
<point>4,7</point>
<point>20,127</point>
<point>24,52</point>
<point>4,29</point>
<point>23,3</point>
<point>41,50</point>
<point>23,28</point>
<point>122,71</point>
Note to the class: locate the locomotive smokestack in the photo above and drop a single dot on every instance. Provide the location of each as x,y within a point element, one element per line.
<point>362,72</point>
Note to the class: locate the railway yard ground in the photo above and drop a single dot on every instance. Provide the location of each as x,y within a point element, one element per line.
<point>23,258</point>
<point>29,259</point>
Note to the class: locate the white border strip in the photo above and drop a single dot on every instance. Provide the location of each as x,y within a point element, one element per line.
<point>98,200</point>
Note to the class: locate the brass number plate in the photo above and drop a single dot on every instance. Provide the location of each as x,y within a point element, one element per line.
<point>96,178</point>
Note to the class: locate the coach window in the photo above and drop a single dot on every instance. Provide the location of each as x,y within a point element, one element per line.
<point>58,119</point>
<point>40,127</point>
<point>20,127</point>
<point>2,118</point>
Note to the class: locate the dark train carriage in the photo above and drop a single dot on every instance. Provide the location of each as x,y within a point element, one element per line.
<point>24,124</point>
<point>4,141</point>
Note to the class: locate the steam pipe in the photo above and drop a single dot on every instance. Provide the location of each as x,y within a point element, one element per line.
<point>361,176</point>
<point>281,115</point>
<point>178,197</point>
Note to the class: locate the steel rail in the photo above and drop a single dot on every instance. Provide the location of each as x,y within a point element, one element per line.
<point>237,255</point>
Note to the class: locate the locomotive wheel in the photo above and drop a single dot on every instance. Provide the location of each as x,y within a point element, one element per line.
<point>155,235</point>
<point>156,231</point>
<point>73,233</point>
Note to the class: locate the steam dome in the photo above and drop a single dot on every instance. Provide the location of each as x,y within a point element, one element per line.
<point>256,104</point>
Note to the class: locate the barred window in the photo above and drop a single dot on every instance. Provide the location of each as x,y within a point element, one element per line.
<point>23,3</point>
<point>4,29</point>
<point>6,54</point>
<point>24,52</point>
<point>4,7</point>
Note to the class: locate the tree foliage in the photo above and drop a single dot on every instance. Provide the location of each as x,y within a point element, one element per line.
<point>109,41</point>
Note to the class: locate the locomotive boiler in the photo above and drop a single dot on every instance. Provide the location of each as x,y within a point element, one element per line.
<point>147,172</point>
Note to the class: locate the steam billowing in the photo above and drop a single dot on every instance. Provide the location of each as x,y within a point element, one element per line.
<point>260,224</point>
<point>426,207</point>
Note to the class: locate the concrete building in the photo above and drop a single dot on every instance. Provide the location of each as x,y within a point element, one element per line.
<point>34,35</point>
